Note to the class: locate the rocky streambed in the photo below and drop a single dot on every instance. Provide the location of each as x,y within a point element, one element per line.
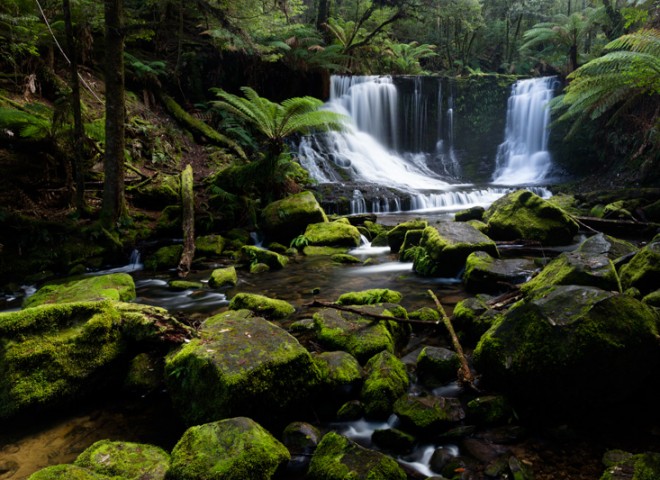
<point>319,380</point>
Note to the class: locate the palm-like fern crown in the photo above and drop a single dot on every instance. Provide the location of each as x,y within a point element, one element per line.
<point>277,121</point>
<point>614,83</point>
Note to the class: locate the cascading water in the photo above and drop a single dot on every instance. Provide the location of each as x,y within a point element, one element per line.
<point>523,158</point>
<point>398,150</point>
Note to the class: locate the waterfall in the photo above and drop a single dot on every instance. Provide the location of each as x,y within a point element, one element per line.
<point>523,157</point>
<point>403,146</point>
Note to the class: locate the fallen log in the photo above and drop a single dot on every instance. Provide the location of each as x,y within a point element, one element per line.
<point>188,204</point>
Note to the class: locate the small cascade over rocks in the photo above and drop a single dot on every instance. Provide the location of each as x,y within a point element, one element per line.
<point>400,150</point>
<point>523,158</point>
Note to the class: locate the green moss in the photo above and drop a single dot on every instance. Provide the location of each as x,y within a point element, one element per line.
<point>338,458</point>
<point>259,304</point>
<point>170,221</point>
<point>345,259</point>
<point>209,245</point>
<point>436,366</point>
<point>223,277</point>
<point>385,382</point>
<point>252,255</point>
<point>643,271</point>
<point>643,466</point>
<point>397,235</point>
<point>313,250</point>
<point>425,314</point>
<point>164,258</point>
<point>428,414</point>
<point>130,461</point>
<point>412,239</point>
<point>474,213</point>
<point>352,410</point>
<point>332,234</point>
<point>231,449</point>
<point>393,440</point>
<point>370,297</point>
<point>115,286</point>
<point>145,374</point>
<point>489,409</point>
<point>652,299</point>
<point>338,369</point>
<point>259,268</point>
<point>185,285</point>
<point>285,219</point>
<point>67,472</point>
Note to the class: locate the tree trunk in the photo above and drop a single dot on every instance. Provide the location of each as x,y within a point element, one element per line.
<point>323,14</point>
<point>114,205</point>
<point>78,132</point>
<point>188,204</point>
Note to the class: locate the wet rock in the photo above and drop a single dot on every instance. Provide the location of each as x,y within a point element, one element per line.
<point>125,459</point>
<point>252,254</point>
<point>412,239</point>
<point>165,258</point>
<point>345,259</point>
<point>393,440</point>
<point>575,268</point>
<point>231,449</point>
<point>370,297</point>
<point>262,305</point>
<point>337,233</point>
<point>209,245</point>
<point>601,244</point>
<point>440,458</point>
<point>358,335</point>
<point>181,285</point>
<point>523,215</point>
<point>397,235</point>
<point>489,409</point>
<point>341,375</point>
<point>240,365</point>
<point>643,271</point>
<point>425,314</point>
<point>114,286</point>
<point>473,213</point>
<point>301,439</point>
<point>445,248</point>
<point>473,317</point>
<point>485,274</point>
<point>257,268</point>
<point>145,374</point>
<point>641,466</point>
<point>565,349</point>
<point>338,458</point>
<point>352,410</point>
<point>483,451</point>
<point>436,366</point>
<point>285,219</point>
<point>428,414</point>
<point>223,277</point>
<point>386,380</point>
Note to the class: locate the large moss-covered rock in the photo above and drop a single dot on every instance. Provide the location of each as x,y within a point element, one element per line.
<point>56,354</point>
<point>127,460</point>
<point>370,297</point>
<point>230,449</point>
<point>397,235</point>
<point>428,414</point>
<point>68,472</point>
<point>643,271</point>
<point>643,466</point>
<point>252,254</point>
<point>240,365</point>
<point>575,268</point>
<point>436,366</point>
<point>114,286</point>
<point>385,382</point>
<point>262,305</point>
<point>340,372</point>
<point>336,233</point>
<point>601,244</point>
<point>358,335</point>
<point>445,248</point>
<point>566,349</point>
<point>209,245</point>
<point>523,215</point>
<point>164,190</point>
<point>164,258</point>
<point>485,274</point>
<point>285,219</point>
<point>338,458</point>
<point>223,277</point>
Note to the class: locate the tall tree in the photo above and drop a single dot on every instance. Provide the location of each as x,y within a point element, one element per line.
<point>114,204</point>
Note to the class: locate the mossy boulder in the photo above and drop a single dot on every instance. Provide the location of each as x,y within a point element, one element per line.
<point>445,248</point>
<point>329,234</point>
<point>164,190</point>
<point>393,440</point>
<point>485,274</point>
<point>127,460</point>
<point>397,235</point>
<point>601,244</point>
<point>209,245</point>
<point>313,250</point>
<point>338,458</point>
<point>426,415</point>
<point>223,277</point>
<point>240,365</point>
<point>358,335</point>
<point>436,366</point>
<point>386,380</point>
<point>230,449</point>
<point>67,472</point>
<point>412,239</point>
<point>114,286</point>
<point>257,268</point>
<point>473,213</point>
<point>145,374</point>
<point>181,285</point>
<point>489,410</point>
<point>370,297</point>
<point>643,270</point>
<point>58,354</point>
<point>642,466</point>
<point>285,219</point>
<point>253,254</point>
<point>652,299</point>
<point>345,259</point>
<point>165,258</point>
<point>341,377</point>
<point>523,215</point>
<point>575,268</point>
<point>262,305</point>
<point>566,348</point>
